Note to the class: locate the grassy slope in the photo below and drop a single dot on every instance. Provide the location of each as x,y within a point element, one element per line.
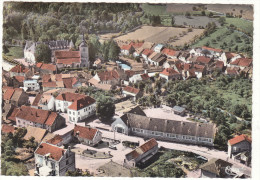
<point>242,24</point>
<point>225,38</point>
<point>15,52</point>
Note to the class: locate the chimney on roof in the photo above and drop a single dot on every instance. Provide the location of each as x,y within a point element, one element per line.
<point>69,148</point>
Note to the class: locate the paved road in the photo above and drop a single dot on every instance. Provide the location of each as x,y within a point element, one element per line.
<point>203,151</point>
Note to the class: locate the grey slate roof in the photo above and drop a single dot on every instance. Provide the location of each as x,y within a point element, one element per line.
<point>206,130</point>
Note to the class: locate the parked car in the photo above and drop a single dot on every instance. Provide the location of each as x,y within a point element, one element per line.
<point>112,147</point>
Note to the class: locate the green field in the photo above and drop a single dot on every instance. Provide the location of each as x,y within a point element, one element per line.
<point>242,24</point>
<point>154,9</point>
<point>15,52</point>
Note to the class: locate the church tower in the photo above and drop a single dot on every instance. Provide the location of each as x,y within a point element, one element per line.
<point>84,54</point>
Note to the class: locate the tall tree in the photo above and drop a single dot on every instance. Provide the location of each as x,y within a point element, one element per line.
<point>105,109</point>
<point>43,53</point>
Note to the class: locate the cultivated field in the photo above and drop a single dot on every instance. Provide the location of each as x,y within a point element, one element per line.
<point>160,35</point>
<point>194,21</point>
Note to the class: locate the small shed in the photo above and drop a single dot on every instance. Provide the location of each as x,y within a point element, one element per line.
<point>179,110</point>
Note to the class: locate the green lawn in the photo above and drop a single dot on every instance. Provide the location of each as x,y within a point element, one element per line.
<point>15,52</point>
<point>242,24</point>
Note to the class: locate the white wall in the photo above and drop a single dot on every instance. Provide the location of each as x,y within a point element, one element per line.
<point>76,116</point>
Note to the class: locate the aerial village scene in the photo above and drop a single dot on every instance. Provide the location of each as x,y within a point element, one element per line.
<point>127,90</point>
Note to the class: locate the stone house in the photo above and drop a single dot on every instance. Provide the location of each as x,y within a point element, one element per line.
<point>15,96</point>
<point>87,135</point>
<point>131,91</point>
<point>18,81</point>
<point>20,70</point>
<point>28,116</point>
<point>31,85</point>
<point>43,68</point>
<point>65,99</point>
<point>170,53</point>
<point>51,160</point>
<point>170,74</point>
<point>228,57</point>
<point>81,109</point>
<point>44,101</point>
<point>146,53</point>
<point>108,77</point>
<point>215,168</point>
<point>127,50</point>
<point>141,154</point>
<point>238,145</point>
<point>241,63</point>
<point>212,52</point>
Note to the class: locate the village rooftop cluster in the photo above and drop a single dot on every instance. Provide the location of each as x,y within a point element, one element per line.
<point>47,102</point>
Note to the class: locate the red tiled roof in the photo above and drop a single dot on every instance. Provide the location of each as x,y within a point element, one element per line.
<point>239,139</point>
<point>51,67</point>
<point>131,89</point>
<point>169,72</point>
<point>197,66</point>
<point>19,69</point>
<point>142,149</point>
<point>85,132</point>
<point>49,84</point>
<point>67,57</point>
<point>169,52</point>
<point>179,66</point>
<point>67,54</point>
<point>230,55</point>
<point>51,119</point>
<point>68,96</point>
<point>212,49</point>
<point>108,75</point>
<point>232,71</point>
<point>69,82</point>
<point>244,62</point>
<point>8,94</point>
<point>145,76</point>
<point>219,64</point>
<point>58,77</point>
<point>55,152</point>
<point>36,100</point>
<point>12,117</point>
<point>55,140</point>
<point>38,65</point>
<point>126,47</point>
<point>203,59</point>
<point>46,78</point>
<point>186,66</point>
<point>7,128</point>
<point>68,61</point>
<point>19,78</point>
<point>36,115</point>
<point>147,52</point>
<point>82,103</point>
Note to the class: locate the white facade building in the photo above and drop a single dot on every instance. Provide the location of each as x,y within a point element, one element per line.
<point>51,160</point>
<point>31,85</point>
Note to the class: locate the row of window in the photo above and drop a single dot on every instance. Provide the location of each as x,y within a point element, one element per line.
<point>169,135</point>
<point>72,119</point>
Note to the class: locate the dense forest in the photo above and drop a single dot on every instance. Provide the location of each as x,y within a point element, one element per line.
<point>53,21</point>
